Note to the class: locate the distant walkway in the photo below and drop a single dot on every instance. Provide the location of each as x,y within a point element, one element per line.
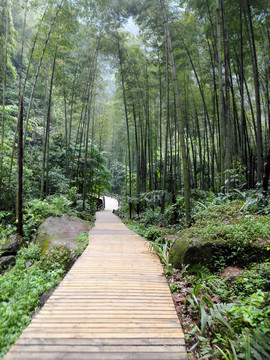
<point>110,204</point>
<point>114,303</point>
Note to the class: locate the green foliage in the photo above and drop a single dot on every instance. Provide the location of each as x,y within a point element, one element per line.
<point>256,203</point>
<point>235,330</point>
<point>258,277</point>
<point>82,239</point>
<point>7,225</point>
<point>118,173</point>
<point>59,256</point>
<point>253,310</point>
<point>38,210</point>
<point>20,288</point>
<point>162,248</point>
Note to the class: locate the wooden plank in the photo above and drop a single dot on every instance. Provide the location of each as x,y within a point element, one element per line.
<point>40,325</point>
<point>96,356</point>
<point>124,330</point>
<point>98,348</point>
<point>98,330</point>
<point>105,335</point>
<point>71,320</point>
<point>106,316</point>
<point>101,342</point>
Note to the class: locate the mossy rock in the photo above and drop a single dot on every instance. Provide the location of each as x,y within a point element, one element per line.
<point>186,251</point>
<point>223,236</point>
<point>12,245</point>
<point>62,230</point>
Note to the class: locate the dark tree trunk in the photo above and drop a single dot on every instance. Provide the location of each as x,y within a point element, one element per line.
<point>253,53</point>
<point>164,177</point>
<point>266,174</point>
<point>4,89</point>
<point>127,123</point>
<point>47,133</point>
<point>20,170</point>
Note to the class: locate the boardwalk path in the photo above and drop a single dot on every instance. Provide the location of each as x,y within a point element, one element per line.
<point>113,304</point>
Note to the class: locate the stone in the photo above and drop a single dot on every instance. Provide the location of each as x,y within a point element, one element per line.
<point>6,261</point>
<point>190,251</point>
<point>12,245</point>
<point>62,230</point>
<point>45,296</point>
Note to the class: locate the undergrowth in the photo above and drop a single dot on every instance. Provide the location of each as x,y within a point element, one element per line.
<point>225,318</point>
<point>21,287</point>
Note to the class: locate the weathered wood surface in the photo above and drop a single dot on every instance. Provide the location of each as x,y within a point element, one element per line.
<point>114,303</point>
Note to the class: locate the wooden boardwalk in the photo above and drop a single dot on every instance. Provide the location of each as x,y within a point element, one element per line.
<point>114,303</point>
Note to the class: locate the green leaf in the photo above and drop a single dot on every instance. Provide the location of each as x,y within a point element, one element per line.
<point>204,318</point>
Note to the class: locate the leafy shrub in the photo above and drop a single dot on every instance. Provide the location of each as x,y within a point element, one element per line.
<point>7,225</point>
<point>58,182</point>
<point>82,239</point>
<point>252,311</point>
<point>257,203</point>
<point>220,324</point>
<point>20,288</point>
<point>152,233</point>
<point>60,205</point>
<point>59,256</point>
<point>38,210</point>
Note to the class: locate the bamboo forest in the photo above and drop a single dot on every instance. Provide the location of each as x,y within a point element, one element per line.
<point>163,106</point>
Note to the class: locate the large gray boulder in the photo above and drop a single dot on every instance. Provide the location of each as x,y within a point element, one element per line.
<point>61,230</point>
<point>211,253</point>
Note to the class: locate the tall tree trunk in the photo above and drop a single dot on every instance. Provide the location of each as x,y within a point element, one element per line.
<point>47,132</point>
<point>266,174</point>
<point>127,123</point>
<point>138,165</point>
<point>221,98</point>
<point>92,82</point>
<point>253,53</point>
<point>80,147</point>
<point>4,92</point>
<point>201,93</point>
<point>22,91</point>
<point>164,177</point>
<point>20,170</point>
<point>160,122</point>
<point>228,130</point>
<point>66,133</point>
<point>71,108</point>
<point>22,49</point>
<point>179,116</point>
<point>149,134</point>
